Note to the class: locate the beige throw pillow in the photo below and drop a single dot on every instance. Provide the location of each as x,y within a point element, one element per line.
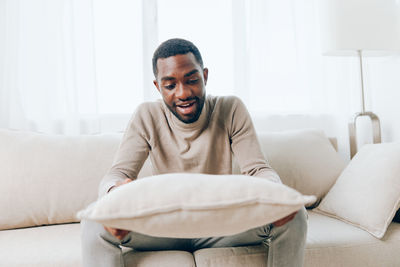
<point>185,205</point>
<point>367,193</point>
<point>304,159</point>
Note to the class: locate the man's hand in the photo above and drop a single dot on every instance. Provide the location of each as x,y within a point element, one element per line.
<point>118,233</point>
<point>284,220</point>
<point>119,183</point>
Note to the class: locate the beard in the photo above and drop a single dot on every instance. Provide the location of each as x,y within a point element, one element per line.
<point>192,117</point>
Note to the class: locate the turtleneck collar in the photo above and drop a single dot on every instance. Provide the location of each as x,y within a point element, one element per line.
<point>197,125</point>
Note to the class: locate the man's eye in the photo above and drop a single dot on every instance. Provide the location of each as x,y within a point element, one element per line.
<point>169,86</point>
<point>193,81</point>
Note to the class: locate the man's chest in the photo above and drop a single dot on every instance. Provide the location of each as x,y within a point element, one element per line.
<point>208,152</point>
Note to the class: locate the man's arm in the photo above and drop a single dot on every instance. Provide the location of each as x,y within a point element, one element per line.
<point>247,151</point>
<point>118,233</point>
<point>246,147</point>
<point>132,153</point>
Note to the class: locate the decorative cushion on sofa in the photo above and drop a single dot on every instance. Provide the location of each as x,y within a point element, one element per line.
<point>186,205</point>
<point>367,193</point>
<point>46,179</point>
<point>304,159</point>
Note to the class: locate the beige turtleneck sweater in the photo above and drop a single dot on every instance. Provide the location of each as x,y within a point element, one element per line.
<point>205,146</point>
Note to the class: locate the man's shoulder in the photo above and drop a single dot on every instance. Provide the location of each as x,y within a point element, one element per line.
<point>225,109</point>
<point>226,103</point>
<point>151,105</point>
<point>146,113</point>
<point>149,108</point>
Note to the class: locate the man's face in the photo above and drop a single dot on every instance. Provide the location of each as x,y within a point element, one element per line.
<point>182,84</point>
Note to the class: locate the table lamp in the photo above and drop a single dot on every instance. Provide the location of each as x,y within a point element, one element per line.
<point>360,28</point>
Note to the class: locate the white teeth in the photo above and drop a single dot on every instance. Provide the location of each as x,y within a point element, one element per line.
<point>185,105</point>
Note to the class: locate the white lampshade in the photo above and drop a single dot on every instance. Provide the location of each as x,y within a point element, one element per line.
<point>372,26</point>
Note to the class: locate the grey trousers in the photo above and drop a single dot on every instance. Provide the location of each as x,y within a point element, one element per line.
<point>285,243</point>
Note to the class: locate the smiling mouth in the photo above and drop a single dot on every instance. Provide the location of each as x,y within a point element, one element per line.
<point>186,108</point>
<point>185,105</point>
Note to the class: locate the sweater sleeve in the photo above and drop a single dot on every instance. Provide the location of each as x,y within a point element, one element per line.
<point>131,154</point>
<point>245,145</point>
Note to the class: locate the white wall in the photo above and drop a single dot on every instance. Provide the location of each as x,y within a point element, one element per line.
<point>342,86</point>
<point>384,84</point>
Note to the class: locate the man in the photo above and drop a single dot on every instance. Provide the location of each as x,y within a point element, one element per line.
<point>190,132</point>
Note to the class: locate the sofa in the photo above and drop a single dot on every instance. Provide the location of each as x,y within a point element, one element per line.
<point>46,179</point>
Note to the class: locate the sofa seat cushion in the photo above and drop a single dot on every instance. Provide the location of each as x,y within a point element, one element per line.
<point>232,257</point>
<point>44,246</point>
<point>168,258</point>
<point>332,243</point>
<point>60,246</point>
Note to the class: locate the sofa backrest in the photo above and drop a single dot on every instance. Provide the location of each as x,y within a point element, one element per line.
<point>147,167</point>
<point>304,159</point>
<point>46,179</point>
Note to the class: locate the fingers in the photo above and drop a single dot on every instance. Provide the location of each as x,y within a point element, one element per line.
<point>284,220</point>
<point>127,180</point>
<point>118,233</point>
<point>119,183</point>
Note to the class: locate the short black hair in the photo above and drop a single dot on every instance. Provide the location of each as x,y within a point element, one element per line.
<point>173,47</point>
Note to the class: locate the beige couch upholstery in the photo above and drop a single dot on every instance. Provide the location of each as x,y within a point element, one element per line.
<point>24,241</point>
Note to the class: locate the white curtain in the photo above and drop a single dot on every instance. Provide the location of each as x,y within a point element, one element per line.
<point>68,63</point>
<point>48,79</point>
<point>82,66</point>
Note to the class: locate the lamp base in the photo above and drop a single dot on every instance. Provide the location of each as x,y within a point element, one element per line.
<point>376,130</point>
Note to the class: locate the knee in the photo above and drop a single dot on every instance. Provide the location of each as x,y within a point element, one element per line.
<point>296,228</point>
<point>299,223</point>
<point>92,232</point>
<point>98,247</point>
<point>301,217</point>
<point>89,232</point>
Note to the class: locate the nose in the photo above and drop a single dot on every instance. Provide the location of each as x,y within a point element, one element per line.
<point>183,92</point>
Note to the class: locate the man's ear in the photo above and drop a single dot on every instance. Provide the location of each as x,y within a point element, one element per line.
<point>157,85</point>
<point>205,75</point>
